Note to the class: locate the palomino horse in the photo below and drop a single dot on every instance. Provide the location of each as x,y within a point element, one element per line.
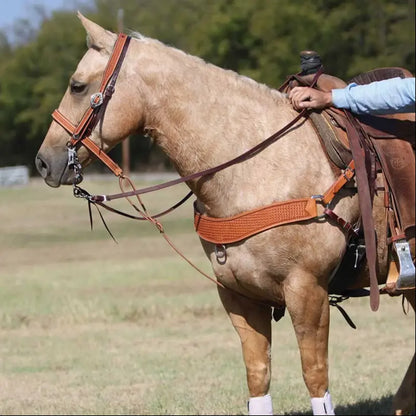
<point>202,116</point>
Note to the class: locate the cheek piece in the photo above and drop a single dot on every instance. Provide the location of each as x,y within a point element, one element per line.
<point>80,134</point>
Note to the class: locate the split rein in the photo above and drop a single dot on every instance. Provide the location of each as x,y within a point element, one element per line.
<point>80,134</point>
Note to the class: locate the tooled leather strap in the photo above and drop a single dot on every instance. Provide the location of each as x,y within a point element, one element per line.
<point>238,227</point>
<point>246,224</point>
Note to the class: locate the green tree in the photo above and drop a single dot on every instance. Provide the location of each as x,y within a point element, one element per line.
<point>261,39</point>
<point>360,35</point>
<point>33,80</point>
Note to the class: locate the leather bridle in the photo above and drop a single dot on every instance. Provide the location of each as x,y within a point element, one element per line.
<point>80,134</point>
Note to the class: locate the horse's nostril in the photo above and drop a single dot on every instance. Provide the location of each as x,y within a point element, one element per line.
<point>41,166</point>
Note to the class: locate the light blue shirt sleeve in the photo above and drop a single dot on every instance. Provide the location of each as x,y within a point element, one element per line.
<point>389,96</point>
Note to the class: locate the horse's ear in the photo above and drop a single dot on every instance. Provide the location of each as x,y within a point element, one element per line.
<point>97,37</point>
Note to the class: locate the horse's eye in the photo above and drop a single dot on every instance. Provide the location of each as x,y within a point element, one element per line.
<point>77,87</point>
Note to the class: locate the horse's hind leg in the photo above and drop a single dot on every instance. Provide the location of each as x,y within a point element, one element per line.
<point>252,322</point>
<point>307,303</point>
<point>404,400</point>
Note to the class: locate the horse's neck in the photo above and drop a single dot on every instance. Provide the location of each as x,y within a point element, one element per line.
<point>201,116</point>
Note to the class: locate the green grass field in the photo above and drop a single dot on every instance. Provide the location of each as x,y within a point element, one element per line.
<point>88,326</point>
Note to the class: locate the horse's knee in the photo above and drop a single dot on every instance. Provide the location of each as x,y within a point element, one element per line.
<point>258,378</point>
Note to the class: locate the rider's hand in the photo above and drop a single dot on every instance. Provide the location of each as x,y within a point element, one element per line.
<point>305,97</point>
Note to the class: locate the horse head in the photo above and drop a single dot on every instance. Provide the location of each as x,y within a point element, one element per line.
<point>114,123</point>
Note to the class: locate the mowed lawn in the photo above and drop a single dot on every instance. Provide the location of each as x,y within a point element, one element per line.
<point>90,326</point>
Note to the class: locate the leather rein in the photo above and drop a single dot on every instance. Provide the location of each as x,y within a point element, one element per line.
<point>80,134</point>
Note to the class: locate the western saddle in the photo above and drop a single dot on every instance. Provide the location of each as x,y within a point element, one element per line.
<point>386,146</point>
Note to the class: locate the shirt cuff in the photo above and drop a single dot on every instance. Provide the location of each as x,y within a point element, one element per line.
<point>339,98</point>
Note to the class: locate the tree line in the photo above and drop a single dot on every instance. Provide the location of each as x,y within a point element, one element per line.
<point>261,39</point>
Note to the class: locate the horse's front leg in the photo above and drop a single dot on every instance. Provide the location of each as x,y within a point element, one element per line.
<point>307,303</point>
<point>252,322</point>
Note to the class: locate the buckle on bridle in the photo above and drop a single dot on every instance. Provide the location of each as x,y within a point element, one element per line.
<point>96,100</point>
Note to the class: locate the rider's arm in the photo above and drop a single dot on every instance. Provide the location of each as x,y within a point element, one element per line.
<point>394,95</point>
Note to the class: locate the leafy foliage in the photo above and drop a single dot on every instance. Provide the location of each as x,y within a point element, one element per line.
<point>260,39</point>
<point>33,79</point>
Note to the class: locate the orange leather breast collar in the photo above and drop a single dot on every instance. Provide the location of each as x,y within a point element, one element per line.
<point>238,227</point>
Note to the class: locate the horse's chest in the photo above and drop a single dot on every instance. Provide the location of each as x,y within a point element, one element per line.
<point>248,271</point>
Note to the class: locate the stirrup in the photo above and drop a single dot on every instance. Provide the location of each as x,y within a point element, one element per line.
<point>406,279</point>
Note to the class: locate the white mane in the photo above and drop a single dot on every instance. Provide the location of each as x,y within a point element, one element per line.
<point>237,77</point>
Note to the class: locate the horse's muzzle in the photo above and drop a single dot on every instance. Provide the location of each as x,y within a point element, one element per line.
<point>55,173</point>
